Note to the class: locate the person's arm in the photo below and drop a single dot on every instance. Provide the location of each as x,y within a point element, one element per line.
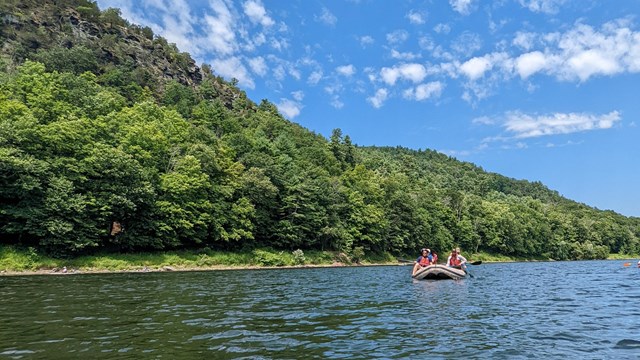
<point>449,261</point>
<point>462,259</point>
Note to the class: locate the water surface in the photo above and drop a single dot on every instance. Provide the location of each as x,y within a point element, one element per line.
<point>587,310</point>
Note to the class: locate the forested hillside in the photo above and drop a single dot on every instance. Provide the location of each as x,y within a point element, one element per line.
<point>111,139</point>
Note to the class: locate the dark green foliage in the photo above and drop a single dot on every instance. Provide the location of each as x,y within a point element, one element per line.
<point>76,60</point>
<point>90,138</point>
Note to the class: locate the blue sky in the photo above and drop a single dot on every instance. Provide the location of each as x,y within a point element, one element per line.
<point>542,90</point>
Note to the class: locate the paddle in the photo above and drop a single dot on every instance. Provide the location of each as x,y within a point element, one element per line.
<point>479,262</point>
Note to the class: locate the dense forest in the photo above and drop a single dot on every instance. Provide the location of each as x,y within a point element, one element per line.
<point>111,139</point>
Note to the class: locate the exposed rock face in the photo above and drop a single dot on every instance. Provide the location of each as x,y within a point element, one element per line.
<point>27,26</point>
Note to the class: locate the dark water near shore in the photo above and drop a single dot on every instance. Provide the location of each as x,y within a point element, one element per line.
<point>586,310</point>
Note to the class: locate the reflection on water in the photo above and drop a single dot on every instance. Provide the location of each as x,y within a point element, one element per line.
<point>584,309</point>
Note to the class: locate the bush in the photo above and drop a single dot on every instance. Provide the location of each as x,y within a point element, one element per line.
<point>357,254</point>
<point>298,257</point>
<point>266,258</point>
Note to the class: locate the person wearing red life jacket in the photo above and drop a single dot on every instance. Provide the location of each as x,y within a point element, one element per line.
<point>425,259</point>
<point>456,260</point>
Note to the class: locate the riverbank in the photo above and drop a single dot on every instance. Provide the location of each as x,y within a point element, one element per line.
<point>27,261</point>
<point>21,261</point>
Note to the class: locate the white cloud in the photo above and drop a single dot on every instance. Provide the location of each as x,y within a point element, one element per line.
<point>413,72</point>
<point>528,126</point>
<point>379,98</point>
<point>315,77</point>
<point>525,40</point>
<point>544,6</point>
<point>476,67</point>
<point>346,70</point>
<point>397,37</point>
<point>333,88</point>
<point>461,6</point>
<point>327,17</point>
<point>298,95</point>
<point>592,62</point>
<point>336,102</point>
<point>578,54</point>
<point>483,120</point>
<point>442,28</point>
<point>233,68</point>
<point>256,13</point>
<point>416,17</point>
<point>366,40</point>
<point>530,63</point>
<point>424,91</point>
<point>407,56</point>
<point>220,29</point>
<point>258,65</point>
<point>289,108</point>
<point>585,52</point>
<point>279,43</point>
<point>294,72</point>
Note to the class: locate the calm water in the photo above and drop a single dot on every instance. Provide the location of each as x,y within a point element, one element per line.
<point>586,310</point>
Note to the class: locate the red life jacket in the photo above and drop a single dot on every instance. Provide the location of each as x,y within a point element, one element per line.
<point>424,261</point>
<point>454,260</point>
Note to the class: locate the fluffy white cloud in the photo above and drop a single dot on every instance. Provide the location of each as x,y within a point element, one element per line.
<point>461,6</point>
<point>327,17</point>
<point>379,98</point>
<point>528,126</point>
<point>476,67</point>
<point>442,28</point>
<point>416,17</point>
<point>586,52</point>
<point>413,72</point>
<point>397,37</point>
<point>424,91</point>
<point>315,77</point>
<point>592,62</point>
<point>544,6</point>
<point>366,40</point>
<point>256,13</point>
<point>346,70</point>
<point>524,40</point>
<point>298,95</point>
<point>289,108</point>
<point>220,29</point>
<point>530,63</point>
<point>258,65</point>
<point>407,56</point>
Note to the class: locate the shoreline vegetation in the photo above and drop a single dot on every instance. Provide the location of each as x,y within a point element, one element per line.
<point>19,261</point>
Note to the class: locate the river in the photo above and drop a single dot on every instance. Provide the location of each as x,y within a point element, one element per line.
<point>586,310</point>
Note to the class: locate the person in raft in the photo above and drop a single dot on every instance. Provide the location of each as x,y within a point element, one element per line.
<point>456,260</point>
<point>425,259</point>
